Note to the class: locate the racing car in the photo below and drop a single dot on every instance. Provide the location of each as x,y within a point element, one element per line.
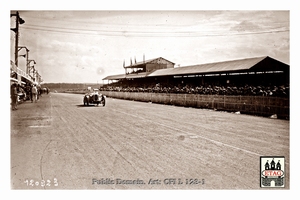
<point>94,97</point>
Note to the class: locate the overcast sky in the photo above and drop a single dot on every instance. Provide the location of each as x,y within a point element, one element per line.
<point>86,46</point>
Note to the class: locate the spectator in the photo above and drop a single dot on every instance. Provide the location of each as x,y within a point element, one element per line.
<point>34,93</point>
<point>31,96</point>
<point>14,96</point>
<point>39,92</point>
<point>248,90</point>
<point>28,91</point>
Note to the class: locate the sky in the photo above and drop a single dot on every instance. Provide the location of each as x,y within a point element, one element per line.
<point>84,46</point>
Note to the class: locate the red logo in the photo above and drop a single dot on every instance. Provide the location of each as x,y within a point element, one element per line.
<point>272,173</point>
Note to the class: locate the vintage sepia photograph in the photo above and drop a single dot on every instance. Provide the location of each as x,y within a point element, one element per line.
<point>150,100</point>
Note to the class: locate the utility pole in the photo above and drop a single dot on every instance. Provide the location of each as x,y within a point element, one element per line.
<point>26,55</point>
<point>19,20</point>
<point>17,39</point>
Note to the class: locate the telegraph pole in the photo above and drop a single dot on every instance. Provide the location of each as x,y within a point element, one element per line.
<point>17,38</point>
<point>19,20</point>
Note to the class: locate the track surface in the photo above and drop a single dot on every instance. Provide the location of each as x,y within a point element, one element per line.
<point>57,143</point>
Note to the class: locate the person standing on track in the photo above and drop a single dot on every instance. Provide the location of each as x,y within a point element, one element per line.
<point>28,92</point>
<point>34,93</point>
<point>14,96</point>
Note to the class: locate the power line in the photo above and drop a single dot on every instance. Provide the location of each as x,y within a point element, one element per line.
<point>79,29</point>
<point>149,34</point>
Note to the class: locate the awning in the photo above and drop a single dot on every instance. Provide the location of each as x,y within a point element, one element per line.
<point>114,77</point>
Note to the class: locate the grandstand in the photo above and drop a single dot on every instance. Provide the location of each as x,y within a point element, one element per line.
<point>258,71</point>
<point>258,86</point>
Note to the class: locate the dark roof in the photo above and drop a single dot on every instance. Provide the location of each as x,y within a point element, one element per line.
<point>226,66</point>
<point>122,76</point>
<point>114,77</point>
<point>145,62</point>
<point>264,63</point>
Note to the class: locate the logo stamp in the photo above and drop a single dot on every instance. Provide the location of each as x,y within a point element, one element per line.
<point>272,171</point>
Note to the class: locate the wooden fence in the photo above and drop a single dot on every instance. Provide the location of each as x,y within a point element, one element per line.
<point>256,105</point>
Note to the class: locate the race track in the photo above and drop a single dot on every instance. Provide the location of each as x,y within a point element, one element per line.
<point>137,145</point>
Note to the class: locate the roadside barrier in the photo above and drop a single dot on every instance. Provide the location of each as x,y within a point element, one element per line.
<point>255,105</point>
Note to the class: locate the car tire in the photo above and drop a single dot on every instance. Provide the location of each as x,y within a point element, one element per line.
<point>85,102</point>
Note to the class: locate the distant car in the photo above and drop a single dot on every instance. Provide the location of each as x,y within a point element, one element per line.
<point>94,97</point>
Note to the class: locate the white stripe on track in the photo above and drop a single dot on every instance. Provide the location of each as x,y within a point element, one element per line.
<point>38,126</point>
<point>187,133</point>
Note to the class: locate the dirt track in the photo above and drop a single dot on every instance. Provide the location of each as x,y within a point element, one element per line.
<point>59,140</point>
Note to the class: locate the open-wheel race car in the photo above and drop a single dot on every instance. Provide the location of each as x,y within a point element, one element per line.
<point>94,97</point>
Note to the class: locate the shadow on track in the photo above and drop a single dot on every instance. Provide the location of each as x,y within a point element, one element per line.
<point>88,106</point>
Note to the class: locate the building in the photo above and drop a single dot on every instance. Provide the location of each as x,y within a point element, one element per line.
<point>141,69</point>
<point>257,71</point>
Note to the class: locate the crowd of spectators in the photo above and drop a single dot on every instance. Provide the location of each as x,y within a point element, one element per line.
<point>247,90</point>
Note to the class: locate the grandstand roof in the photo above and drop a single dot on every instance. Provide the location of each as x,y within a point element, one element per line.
<point>226,66</point>
<point>264,63</point>
<point>121,76</point>
<point>114,77</point>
